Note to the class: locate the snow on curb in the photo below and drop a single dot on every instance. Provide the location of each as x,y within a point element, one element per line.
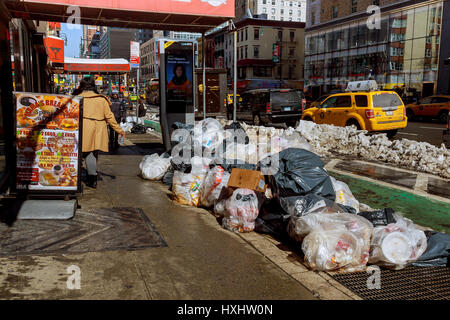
<point>419,156</point>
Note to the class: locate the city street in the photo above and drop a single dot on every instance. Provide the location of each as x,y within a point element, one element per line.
<point>232,156</point>
<point>423,131</point>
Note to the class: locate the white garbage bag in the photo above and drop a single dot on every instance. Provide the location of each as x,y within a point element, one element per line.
<point>126,126</point>
<point>241,211</point>
<point>335,241</point>
<point>154,167</point>
<point>186,188</point>
<point>216,179</point>
<point>344,195</point>
<point>209,134</point>
<point>397,244</point>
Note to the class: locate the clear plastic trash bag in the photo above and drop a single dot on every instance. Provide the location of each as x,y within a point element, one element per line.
<point>344,195</point>
<point>241,211</point>
<point>216,179</point>
<point>397,244</point>
<point>186,188</point>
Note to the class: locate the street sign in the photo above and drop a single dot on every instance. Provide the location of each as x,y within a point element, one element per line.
<point>134,54</point>
<point>276,53</point>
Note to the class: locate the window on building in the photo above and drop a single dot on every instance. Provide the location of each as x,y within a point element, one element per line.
<point>246,34</point>
<point>273,2</point>
<point>256,51</point>
<point>354,5</point>
<point>281,11</point>
<point>246,52</point>
<point>334,12</point>
<point>255,33</point>
<point>280,35</point>
<point>291,51</point>
<point>262,71</point>
<point>290,12</point>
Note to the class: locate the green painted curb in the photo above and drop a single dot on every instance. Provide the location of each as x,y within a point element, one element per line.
<point>153,124</point>
<point>423,211</point>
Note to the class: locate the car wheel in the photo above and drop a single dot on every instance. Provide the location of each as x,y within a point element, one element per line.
<point>391,133</point>
<point>409,114</point>
<point>307,119</point>
<point>353,122</point>
<point>256,120</point>
<point>443,115</point>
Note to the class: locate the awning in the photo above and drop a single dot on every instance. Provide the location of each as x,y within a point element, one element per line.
<point>176,15</point>
<point>105,66</point>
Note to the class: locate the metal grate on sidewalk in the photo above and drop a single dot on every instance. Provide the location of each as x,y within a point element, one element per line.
<point>411,283</point>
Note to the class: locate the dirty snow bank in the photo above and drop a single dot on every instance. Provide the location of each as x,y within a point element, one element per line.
<point>419,156</point>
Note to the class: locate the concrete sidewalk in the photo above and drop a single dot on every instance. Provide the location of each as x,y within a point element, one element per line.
<point>201,260</point>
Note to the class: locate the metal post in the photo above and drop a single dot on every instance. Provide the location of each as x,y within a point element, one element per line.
<point>137,94</point>
<point>204,75</point>
<point>235,76</point>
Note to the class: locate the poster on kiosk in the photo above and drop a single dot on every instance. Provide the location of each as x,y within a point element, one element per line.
<point>48,138</point>
<point>177,91</point>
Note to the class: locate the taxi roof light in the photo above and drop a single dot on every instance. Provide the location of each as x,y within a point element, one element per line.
<point>357,86</point>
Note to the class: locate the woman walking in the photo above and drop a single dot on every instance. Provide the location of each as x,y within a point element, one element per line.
<point>96,114</point>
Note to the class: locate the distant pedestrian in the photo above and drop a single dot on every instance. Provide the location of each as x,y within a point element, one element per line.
<point>117,108</point>
<point>142,110</point>
<point>96,115</point>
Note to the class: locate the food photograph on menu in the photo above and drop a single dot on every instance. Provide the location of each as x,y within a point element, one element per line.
<point>47,140</point>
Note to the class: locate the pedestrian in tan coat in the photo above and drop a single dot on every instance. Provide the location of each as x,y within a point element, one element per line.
<point>96,115</point>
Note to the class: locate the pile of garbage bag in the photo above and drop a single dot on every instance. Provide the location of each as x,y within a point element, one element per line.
<point>299,202</point>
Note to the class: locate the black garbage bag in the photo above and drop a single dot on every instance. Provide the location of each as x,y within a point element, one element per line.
<point>300,172</point>
<point>168,177</point>
<point>272,220</point>
<point>381,217</point>
<point>299,206</point>
<point>274,217</point>
<point>138,129</point>
<point>180,125</point>
<point>438,251</point>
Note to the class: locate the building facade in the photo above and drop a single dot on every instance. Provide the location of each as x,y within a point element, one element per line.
<point>281,10</point>
<point>115,43</point>
<point>401,50</point>
<point>149,59</point>
<point>256,40</point>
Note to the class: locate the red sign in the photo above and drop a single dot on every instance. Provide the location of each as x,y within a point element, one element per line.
<point>218,8</point>
<point>134,53</point>
<point>81,67</point>
<point>55,49</point>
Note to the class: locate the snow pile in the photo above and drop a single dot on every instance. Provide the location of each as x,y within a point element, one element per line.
<point>152,117</point>
<point>420,156</point>
<point>328,140</point>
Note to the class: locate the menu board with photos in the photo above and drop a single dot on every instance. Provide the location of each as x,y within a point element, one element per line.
<point>48,142</point>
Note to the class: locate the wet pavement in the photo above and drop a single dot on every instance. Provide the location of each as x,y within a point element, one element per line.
<point>396,177</point>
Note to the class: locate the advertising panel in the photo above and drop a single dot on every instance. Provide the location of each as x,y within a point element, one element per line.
<point>48,137</point>
<point>134,54</point>
<point>179,77</point>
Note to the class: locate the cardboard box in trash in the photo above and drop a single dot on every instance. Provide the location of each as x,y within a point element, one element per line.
<point>247,179</point>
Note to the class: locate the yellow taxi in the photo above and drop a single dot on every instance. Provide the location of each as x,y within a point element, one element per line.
<point>433,107</point>
<point>363,106</point>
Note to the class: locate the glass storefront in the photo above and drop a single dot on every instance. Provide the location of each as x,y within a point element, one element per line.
<point>402,54</point>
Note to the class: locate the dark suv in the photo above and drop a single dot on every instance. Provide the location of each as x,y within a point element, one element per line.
<point>264,106</point>
<point>446,133</point>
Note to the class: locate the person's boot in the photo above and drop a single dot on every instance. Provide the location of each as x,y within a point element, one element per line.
<point>92,181</point>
